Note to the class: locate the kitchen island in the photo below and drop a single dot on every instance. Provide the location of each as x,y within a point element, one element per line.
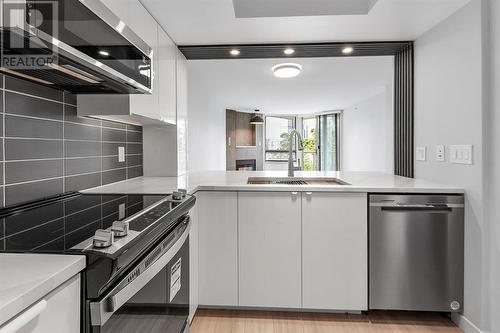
<point>237,181</point>
<point>279,246</point>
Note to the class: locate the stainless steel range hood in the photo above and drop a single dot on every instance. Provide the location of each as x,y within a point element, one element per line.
<point>82,47</point>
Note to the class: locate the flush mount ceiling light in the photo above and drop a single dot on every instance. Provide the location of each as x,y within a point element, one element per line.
<point>347,50</point>
<point>257,119</point>
<point>234,52</point>
<point>104,53</point>
<point>289,51</point>
<point>287,70</point>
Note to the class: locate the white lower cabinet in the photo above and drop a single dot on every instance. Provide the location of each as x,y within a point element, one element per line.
<point>58,312</point>
<point>334,251</point>
<point>269,235</point>
<point>283,250</point>
<point>218,248</point>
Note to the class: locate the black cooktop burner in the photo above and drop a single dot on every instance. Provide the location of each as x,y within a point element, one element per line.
<point>55,226</point>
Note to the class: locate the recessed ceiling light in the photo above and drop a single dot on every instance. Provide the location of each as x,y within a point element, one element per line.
<point>287,70</point>
<point>289,51</point>
<point>234,52</point>
<point>104,53</point>
<point>347,50</point>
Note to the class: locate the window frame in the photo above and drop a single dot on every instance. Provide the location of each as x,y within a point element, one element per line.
<point>289,117</point>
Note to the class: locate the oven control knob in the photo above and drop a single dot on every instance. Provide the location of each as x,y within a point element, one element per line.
<point>103,238</point>
<point>177,195</point>
<point>119,228</point>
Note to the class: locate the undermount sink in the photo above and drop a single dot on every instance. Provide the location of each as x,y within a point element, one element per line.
<point>294,181</point>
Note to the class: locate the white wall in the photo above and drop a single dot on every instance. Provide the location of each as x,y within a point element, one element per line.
<point>367,135</point>
<point>449,109</point>
<point>182,112</point>
<point>494,163</point>
<point>215,85</point>
<point>206,126</point>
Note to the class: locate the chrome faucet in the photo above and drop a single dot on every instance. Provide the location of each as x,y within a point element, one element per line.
<point>291,169</point>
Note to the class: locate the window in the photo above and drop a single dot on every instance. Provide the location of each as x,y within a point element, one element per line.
<point>329,142</point>
<point>309,135</point>
<point>277,134</point>
<point>321,142</point>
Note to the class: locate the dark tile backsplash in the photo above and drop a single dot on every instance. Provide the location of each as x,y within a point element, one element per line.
<point>46,149</point>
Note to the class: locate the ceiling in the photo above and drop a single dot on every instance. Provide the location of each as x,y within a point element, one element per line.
<point>191,22</point>
<point>281,8</point>
<point>325,84</point>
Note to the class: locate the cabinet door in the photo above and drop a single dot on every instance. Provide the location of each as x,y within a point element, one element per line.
<point>118,8</point>
<point>269,249</point>
<point>334,251</point>
<point>167,77</point>
<point>145,26</point>
<point>141,22</point>
<point>148,104</point>
<point>218,261</point>
<point>62,313</point>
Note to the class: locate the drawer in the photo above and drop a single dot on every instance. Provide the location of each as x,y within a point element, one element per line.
<point>57,312</point>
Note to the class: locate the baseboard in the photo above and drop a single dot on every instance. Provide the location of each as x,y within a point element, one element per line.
<point>465,324</point>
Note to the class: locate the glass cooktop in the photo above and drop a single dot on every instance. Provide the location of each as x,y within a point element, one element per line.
<point>57,225</point>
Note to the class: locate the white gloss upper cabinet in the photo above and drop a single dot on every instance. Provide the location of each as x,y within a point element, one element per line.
<point>149,104</point>
<point>119,7</point>
<point>334,251</point>
<point>218,248</point>
<point>161,103</point>
<point>141,22</point>
<point>269,234</point>
<point>167,77</point>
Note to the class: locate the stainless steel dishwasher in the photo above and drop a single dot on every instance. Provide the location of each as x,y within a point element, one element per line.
<point>416,251</point>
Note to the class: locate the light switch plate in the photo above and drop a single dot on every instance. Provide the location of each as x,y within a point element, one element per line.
<point>440,153</point>
<point>461,154</point>
<point>421,153</point>
<point>121,154</point>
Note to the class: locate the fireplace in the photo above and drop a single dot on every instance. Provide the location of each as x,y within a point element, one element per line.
<point>246,165</point>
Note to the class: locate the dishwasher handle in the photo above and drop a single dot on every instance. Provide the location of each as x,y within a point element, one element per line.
<point>435,208</point>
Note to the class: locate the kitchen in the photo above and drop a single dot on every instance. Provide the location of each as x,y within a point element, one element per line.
<point>120,202</point>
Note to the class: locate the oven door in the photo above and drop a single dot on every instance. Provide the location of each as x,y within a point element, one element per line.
<point>153,296</point>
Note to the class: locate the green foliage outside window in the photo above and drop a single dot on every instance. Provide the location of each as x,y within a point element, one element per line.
<point>309,151</point>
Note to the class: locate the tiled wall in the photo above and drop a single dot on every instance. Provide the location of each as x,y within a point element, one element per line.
<point>47,149</point>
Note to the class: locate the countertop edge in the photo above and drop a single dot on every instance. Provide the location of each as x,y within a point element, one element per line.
<point>234,181</point>
<point>345,188</point>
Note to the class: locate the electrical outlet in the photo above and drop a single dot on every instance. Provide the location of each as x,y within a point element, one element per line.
<point>421,153</point>
<point>440,153</point>
<point>121,154</point>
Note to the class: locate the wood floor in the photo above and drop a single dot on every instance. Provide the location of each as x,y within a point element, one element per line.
<point>228,321</point>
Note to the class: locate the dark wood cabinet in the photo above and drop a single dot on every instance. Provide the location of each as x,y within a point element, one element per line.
<point>243,140</point>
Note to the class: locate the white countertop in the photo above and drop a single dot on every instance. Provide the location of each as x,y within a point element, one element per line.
<point>26,278</point>
<point>237,181</point>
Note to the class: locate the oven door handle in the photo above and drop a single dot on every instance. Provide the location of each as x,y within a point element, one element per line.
<point>101,311</point>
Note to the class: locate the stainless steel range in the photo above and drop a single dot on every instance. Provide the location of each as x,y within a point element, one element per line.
<point>137,250</point>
